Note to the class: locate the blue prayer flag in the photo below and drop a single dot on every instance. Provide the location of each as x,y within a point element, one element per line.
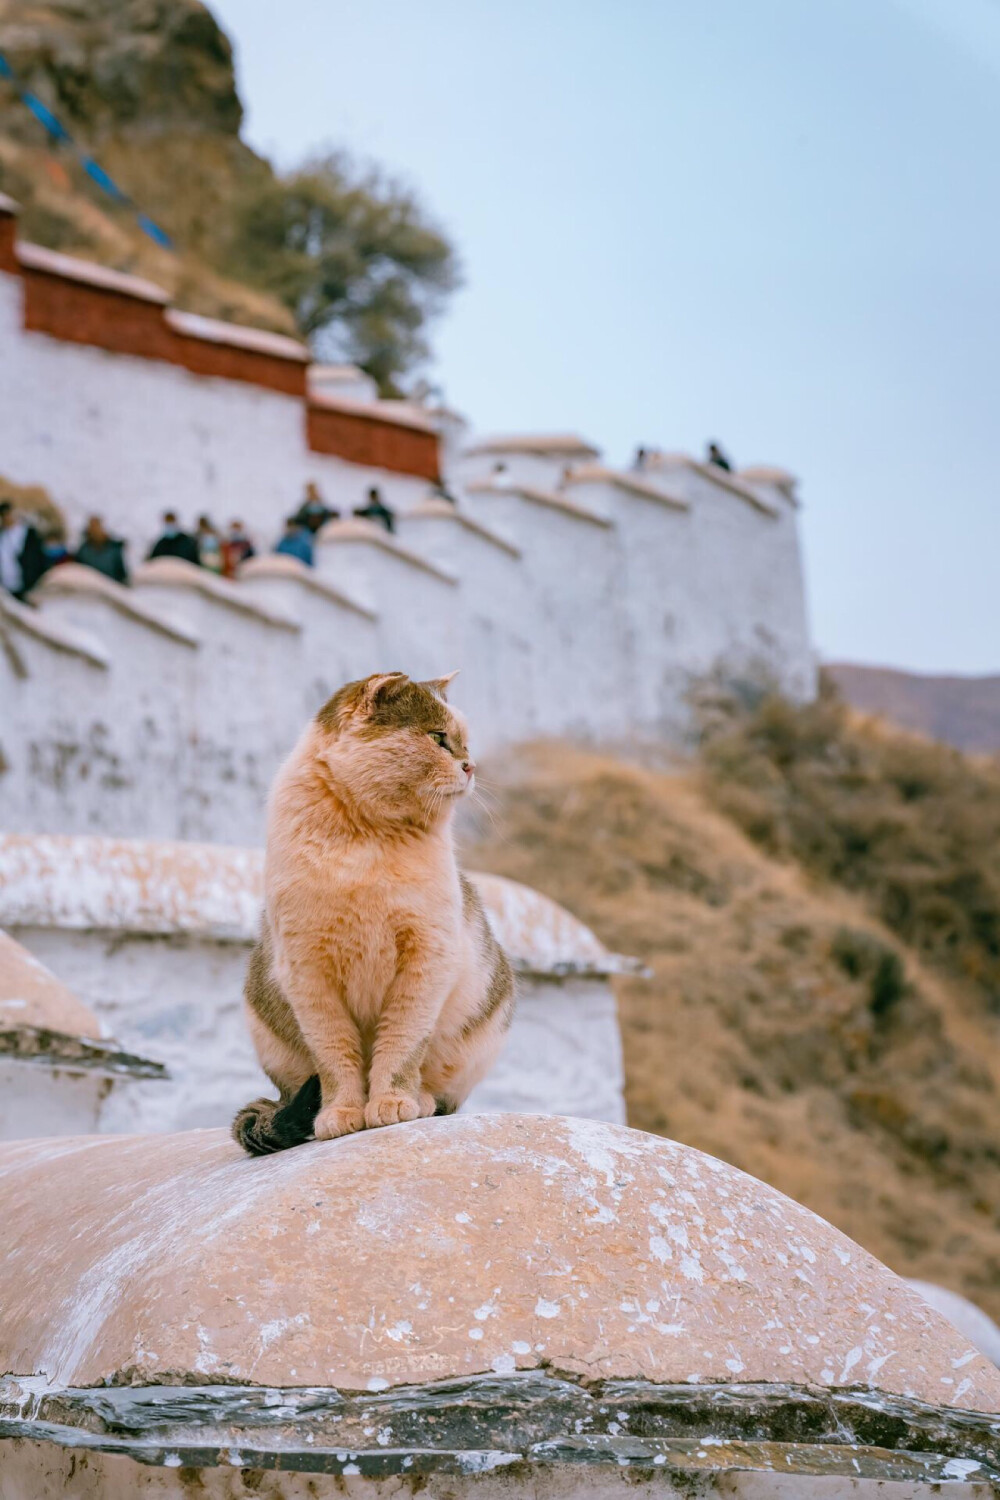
<point>155,232</point>
<point>46,117</point>
<point>98,174</point>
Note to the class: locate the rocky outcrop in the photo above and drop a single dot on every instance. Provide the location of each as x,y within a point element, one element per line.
<point>108,66</point>
<point>149,87</point>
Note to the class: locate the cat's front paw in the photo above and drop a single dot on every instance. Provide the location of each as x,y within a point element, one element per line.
<point>391,1109</point>
<point>338,1119</point>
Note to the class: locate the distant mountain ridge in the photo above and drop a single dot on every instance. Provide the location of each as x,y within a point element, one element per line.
<point>961,711</point>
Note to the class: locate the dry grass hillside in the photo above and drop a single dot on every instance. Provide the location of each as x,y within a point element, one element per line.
<point>786,1028</point>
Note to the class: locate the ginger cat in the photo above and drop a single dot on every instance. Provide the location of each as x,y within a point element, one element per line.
<point>377,992</point>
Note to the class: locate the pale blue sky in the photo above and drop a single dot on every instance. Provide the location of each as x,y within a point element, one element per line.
<point>774,222</point>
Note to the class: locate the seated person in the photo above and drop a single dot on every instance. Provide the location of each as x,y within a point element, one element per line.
<point>314,511</point>
<point>235,549</point>
<point>209,545</point>
<point>297,541</point>
<point>104,553</point>
<point>22,556</point>
<point>173,542</point>
<point>375,509</point>
<point>716,456</point>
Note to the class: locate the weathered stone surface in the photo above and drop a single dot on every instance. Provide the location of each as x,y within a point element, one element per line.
<point>445,1250</point>
<point>103,65</point>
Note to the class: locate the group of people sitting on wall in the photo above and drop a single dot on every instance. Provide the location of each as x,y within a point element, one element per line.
<point>206,546</point>
<point>304,524</point>
<point>26,555</point>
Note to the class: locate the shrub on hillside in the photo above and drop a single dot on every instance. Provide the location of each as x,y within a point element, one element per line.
<point>911,824</point>
<point>355,258</point>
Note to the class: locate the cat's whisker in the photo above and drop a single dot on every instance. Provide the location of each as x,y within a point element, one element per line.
<point>491,815</point>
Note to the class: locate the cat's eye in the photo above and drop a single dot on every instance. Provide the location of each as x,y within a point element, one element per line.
<point>439,738</point>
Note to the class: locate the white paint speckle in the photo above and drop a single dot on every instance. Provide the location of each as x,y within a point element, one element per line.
<point>544,1309</point>
<point>691,1268</point>
<point>378,1383</point>
<point>959,1468</point>
<point>475,1333</point>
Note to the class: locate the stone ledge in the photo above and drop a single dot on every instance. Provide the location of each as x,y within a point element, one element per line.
<point>521,1421</point>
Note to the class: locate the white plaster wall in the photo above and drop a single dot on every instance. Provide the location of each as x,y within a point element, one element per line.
<point>746,606</point>
<point>595,632</point>
<point>164,741</point>
<point>247,708</point>
<point>338,644</point>
<point>574,572</point>
<point>418,614</point>
<point>37,1100</point>
<point>655,547</point>
<point>495,636</point>
<point>132,437</point>
<point>88,748</point>
<point>154,677</point>
<point>177,1000</point>
<point>563,1055</point>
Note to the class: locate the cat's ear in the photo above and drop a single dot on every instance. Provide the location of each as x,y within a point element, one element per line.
<point>439,685</point>
<point>357,700</point>
<point>382,687</point>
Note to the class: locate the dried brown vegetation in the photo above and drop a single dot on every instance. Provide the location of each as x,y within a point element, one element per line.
<point>786,1028</point>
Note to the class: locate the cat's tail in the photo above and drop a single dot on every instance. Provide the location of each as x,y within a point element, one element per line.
<point>269,1125</point>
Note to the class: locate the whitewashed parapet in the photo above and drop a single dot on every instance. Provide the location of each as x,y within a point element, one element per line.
<point>494,644</point>
<point>747,609</point>
<point>415,601</point>
<point>113,401</point>
<point>75,753</point>
<point>156,937</point>
<point>775,484</point>
<point>571,562</point>
<point>154,678</point>
<point>248,693</point>
<point>340,635</point>
<point>658,590</point>
<point>537,459</point>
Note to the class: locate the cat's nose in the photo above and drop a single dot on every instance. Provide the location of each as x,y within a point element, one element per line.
<point>468,766</point>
